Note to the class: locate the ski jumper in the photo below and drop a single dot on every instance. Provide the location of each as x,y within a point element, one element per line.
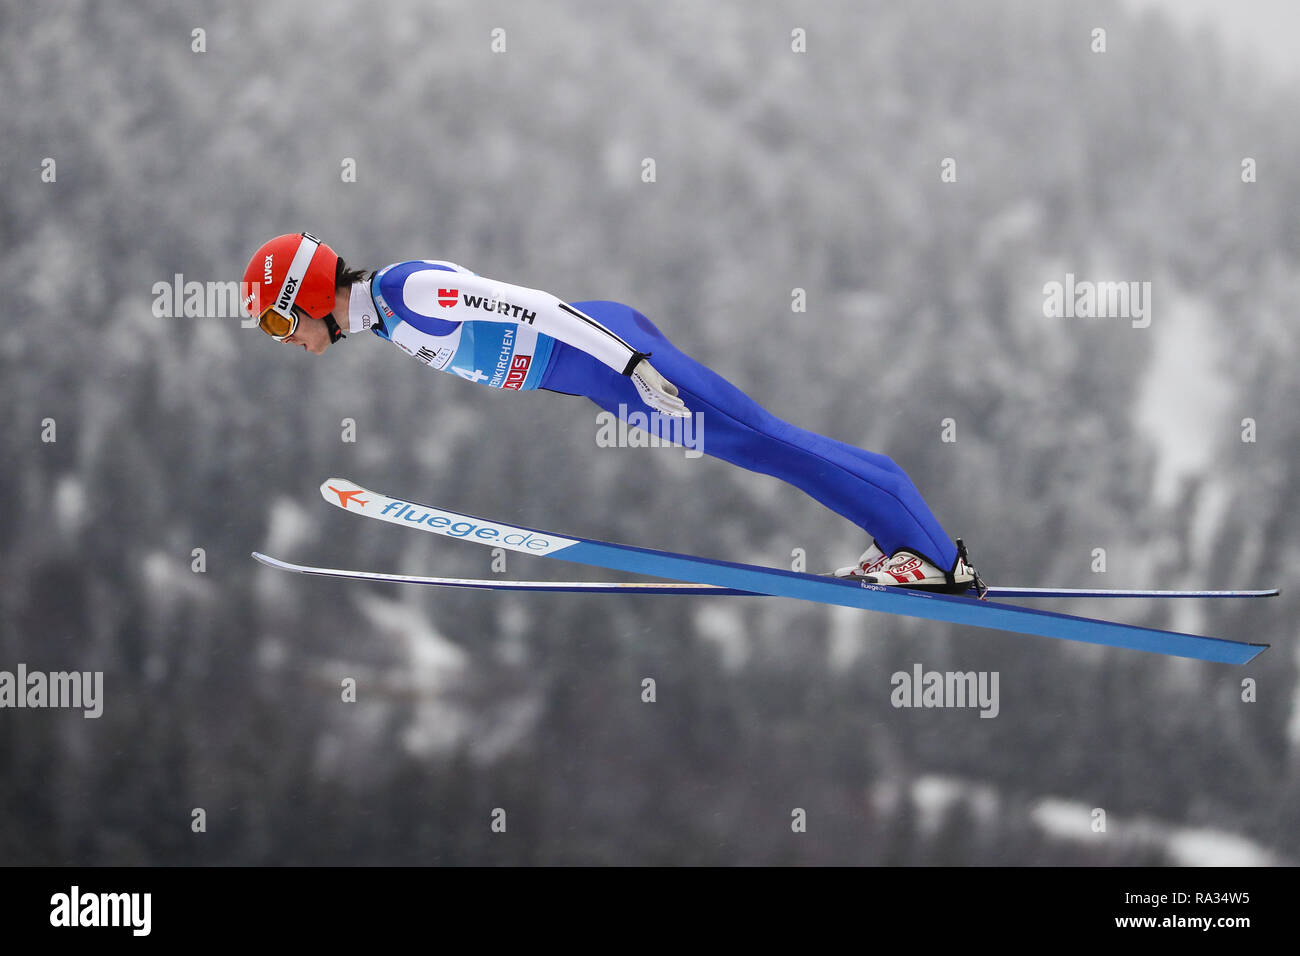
<point>508,336</point>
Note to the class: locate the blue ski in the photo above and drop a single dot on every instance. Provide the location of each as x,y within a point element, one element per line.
<point>810,587</point>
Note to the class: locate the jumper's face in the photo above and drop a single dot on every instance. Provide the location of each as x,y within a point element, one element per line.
<point>311,334</point>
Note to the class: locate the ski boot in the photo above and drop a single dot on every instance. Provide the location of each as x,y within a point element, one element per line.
<point>872,560</point>
<point>909,569</point>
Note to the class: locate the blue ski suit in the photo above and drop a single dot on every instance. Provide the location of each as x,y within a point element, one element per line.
<point>512,337</point>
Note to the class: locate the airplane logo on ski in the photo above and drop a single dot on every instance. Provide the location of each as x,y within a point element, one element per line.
<point>347,496</point>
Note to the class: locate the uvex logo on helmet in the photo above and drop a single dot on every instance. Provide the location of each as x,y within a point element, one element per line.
<point>286,294</point>
<point>266,270</point>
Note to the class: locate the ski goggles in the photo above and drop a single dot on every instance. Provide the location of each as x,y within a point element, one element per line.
<point>280,320</point>
<point>277,325</point>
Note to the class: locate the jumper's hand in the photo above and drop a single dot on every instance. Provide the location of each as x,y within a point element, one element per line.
<point>657,392</point>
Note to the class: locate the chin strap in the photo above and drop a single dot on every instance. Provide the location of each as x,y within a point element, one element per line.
<point>335,332</point>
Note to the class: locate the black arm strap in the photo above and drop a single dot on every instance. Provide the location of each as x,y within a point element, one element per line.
<point>634,361</point>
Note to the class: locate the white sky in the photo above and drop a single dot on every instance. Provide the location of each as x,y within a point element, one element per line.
<point>1266,29</point>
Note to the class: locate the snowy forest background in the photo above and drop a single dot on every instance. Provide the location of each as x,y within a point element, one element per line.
<point>775,171</point>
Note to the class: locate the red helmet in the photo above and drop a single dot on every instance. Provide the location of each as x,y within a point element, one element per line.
<point>287,271</point>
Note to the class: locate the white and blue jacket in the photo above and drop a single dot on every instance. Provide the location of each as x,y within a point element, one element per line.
<point>487,331</point>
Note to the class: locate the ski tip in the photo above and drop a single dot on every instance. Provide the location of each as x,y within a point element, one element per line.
<point>1259,649</point>
<point>338,483</point>
<point>276,563</point>
<point>335,489</point>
